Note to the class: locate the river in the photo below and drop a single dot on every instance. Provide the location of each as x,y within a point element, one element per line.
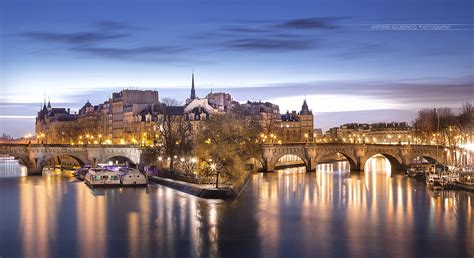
<point>288,213</point>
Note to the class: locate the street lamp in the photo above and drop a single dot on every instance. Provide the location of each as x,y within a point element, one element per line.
<point>216,167</point>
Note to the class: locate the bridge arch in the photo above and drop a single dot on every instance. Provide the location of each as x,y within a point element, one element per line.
<point>291,159</point>
<point>254,164</point>
<point>430,157</point>
<point>119,159</point>
<point>337,155</point>
<point>422,158</point>
<point>396,162</point>
<point>60,157</point>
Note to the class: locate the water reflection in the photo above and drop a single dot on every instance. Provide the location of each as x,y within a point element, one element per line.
<point>11,168</point>
<point>289,213</point>
<point>339,167</point>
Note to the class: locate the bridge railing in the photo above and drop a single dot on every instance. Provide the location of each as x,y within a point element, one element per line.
<point>70,146</point>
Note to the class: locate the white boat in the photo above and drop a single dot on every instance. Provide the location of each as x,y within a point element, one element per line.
<point>131,176</point>
<point>102,177</point>
<point>466,178</point>
<point>432,178</point>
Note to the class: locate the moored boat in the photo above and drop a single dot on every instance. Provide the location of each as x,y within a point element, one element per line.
<point>466,178</point>
<point>131,177</point>
<point>102,177</point>
<point>416,171</point>
<point>81,172</point>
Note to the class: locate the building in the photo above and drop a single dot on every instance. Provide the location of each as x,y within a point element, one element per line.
<point>115,121</point>
<point>126,105</point>
<point>291,127</point>
<point>132,116</point>
<point>276,128</point>
<point>52,125</point>
<point>222,102</point>
<point>297,127</point>
<point>268,115</point>
<point>380,133</point>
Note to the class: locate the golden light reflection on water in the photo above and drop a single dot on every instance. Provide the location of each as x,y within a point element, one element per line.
<point>38,206</point>
<point>302,214</point>
<point>371,205</point>
<point>91,223</point>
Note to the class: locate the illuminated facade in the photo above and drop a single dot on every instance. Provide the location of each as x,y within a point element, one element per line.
<point>116,121</point>
<point>297,127</point>
<point>378,133</point>
<point>130,117</point>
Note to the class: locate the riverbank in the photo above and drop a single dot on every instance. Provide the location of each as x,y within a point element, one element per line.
<point>202,191</point>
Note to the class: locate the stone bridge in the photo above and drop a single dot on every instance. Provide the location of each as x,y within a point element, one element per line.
<point>35,156</point>
<point>400,156</point>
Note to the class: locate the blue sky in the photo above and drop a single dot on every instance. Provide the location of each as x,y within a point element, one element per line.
<point>332,52</point>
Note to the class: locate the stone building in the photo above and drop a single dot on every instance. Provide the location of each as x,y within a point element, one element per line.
<point>287,128</point>
<point>51,125</point>
<point>126,105</point>
<point>297,127</point>
<point>380,133</point>
<point>131,116</point>
<point>222,102</point>
<point>114,121</point>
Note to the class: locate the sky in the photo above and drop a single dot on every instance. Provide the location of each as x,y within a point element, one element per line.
<point>365,61</point>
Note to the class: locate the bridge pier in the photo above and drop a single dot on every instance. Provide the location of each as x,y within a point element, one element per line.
<point>35,166</point>
<point>269,165</point>
<point>312,164</point>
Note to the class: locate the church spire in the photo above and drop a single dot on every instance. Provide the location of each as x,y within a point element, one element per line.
<point>44,102</point>
<point>193,91</point>
<point>49,103</point>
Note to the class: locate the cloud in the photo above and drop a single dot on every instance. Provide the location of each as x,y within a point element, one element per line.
<point>147,53</point>
<point>405,95</point>
<point>87,42</point>
<point>124,52</point>
<point>311,23</point>
<point>75,37</point>
<point>271,36</point>
<point>271,44</point>
<point>101,31</point>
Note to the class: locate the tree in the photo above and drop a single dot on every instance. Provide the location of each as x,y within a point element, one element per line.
<point>174,134</point>
<point>270,127</point>
<point>225,143</point>
<point>433,125</point>
<point>466,122</point>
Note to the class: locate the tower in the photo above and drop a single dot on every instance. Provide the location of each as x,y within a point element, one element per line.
<point>305,109</point>
<point>44,103</point>
<point>306,123</point>
<point>193,91</point>
<point>49,104</point>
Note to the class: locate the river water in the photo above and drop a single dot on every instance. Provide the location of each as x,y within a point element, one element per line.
<point>283,214</point>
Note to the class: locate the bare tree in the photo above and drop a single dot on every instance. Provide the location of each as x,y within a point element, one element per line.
<point>174,134</point>
<point>170,102</point>
<point>466,122</point>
